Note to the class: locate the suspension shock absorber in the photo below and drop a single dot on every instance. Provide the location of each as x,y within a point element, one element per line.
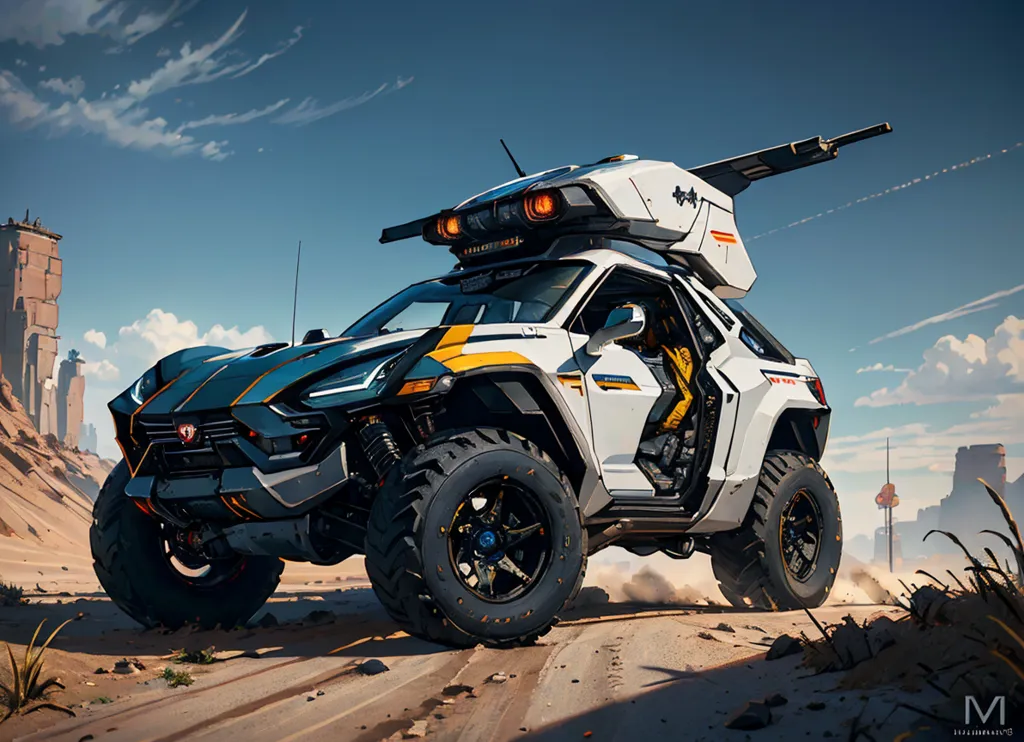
<point>379,446</point>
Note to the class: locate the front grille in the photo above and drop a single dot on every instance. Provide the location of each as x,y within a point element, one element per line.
<point>212,450</point>
<point>167,432</point>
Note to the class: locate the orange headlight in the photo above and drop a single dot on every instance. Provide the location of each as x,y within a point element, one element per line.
<point>449,226</point>
<point>541,206</point>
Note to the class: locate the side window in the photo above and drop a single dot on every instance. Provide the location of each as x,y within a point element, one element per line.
<point>664,320</point>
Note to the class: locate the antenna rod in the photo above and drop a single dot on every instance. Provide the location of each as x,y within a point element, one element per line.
<point>887,480</point>
<point>295,298</point>
<point>519,170</point>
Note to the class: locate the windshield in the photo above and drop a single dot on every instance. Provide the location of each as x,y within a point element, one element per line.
<point>521,294</point>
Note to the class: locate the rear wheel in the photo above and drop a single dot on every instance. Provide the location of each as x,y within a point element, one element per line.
<point>151,572</point>
<point>476,538</point>
<point>787,553</point>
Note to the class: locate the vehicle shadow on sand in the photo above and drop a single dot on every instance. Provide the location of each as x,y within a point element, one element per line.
<point>294,623</point>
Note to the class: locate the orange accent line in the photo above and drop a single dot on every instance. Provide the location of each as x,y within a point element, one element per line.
<point>237,501</point>
<point>264,374</point>
<point>141,407</point>
<point>227,504</point>
<point>196,391</point>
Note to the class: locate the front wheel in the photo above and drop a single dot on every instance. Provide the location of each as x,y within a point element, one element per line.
<point>149,571</point>
<point>476,538</point>
<point>786,554</point>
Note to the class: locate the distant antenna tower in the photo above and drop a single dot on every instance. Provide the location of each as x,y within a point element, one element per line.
<point>295,297</point>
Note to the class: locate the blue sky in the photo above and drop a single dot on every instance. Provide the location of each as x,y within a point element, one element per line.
<point>183,148</point>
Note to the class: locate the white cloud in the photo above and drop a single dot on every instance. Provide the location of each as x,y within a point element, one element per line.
<point>73,87</point>
<point>228,119</point>
<point>42,68</point>
<point>163,53</point>
<point>101,370</point>
<point>919,447</point>
<point>978,305</point>
<point>874,367</point>
<point>957,370</point>
<point>96,337</point>
<point>20,63</point>
<point>44,23</point>
<point>310,110</point>
<point>161,333</point>
<point>264,58</point>
<point>122,119</point>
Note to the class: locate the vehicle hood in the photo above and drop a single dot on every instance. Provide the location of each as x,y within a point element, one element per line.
<point>253,376</point>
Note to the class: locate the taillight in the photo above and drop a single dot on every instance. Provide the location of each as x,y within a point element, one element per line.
<point>818,391</point>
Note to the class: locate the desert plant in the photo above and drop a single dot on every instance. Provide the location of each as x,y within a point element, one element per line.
<point>11,595</point>
<point>196,656</point>
<point>176,678</point>
<point>26,693</point>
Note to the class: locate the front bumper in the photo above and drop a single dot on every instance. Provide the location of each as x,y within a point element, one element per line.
<point>245,492</point>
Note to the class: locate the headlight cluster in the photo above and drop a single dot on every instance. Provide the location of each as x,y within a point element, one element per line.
<point>361,381</point>
<point>144,388</point>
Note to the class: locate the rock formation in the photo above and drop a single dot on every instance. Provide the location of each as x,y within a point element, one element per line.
<point>967,509</point>
<point>87,438</point>
<point>30,283</point>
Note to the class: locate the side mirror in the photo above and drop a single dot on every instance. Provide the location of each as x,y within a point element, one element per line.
<point>625,322</point>
<point>315,336</point>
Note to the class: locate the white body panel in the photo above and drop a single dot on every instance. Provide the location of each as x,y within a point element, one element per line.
<point>676,200</point>
<point>618,416</point>
<point>613,419</point>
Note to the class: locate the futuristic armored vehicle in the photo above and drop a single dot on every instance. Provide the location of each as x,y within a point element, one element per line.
<point>584,377</point>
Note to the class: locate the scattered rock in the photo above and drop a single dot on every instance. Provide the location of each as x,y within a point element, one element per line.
<point>318,617</point>
<point>101,671</point>
<point>124,667</point>
<point>319,692</point>
<point>784,646</point>
<point>373,667</point>
<point>267,621</point>
<point>575,680</point>
<point>815,706</point>
<point>725,627</point>
<point>753,715</point>
<point>498,677</point>
<point>755,628</point>
<point>854,643</point>
<point>418,729</point>
<point>707,635</point>
<point>64,569</point>
<point>775,700</point>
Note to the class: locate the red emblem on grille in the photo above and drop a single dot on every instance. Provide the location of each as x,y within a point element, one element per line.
<point>187,432</point>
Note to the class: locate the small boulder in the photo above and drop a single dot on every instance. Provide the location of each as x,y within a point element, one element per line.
<point>373,667</point>
<point>775,700</point>
<point>784,646</point>
<point>753,715</point>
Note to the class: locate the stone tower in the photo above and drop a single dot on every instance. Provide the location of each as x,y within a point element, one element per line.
<point>30,283</point>
<point>70,399</point>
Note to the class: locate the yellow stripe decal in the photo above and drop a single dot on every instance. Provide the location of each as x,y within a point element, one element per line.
<point>450,344</point>
<point>478,360</point>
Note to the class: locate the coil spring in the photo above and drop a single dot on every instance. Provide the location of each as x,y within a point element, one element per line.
<point>380,448</point>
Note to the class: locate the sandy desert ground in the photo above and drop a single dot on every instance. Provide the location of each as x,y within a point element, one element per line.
<point>653,662</point>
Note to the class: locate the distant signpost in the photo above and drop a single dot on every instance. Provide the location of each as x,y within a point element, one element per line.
<point>886,500</point>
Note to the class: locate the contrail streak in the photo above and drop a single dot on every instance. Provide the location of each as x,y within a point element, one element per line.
<point>887,191</point>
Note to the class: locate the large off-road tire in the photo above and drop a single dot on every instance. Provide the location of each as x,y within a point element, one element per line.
<point>432,515</point>
<point>754,564</point>
<point>132,563</point>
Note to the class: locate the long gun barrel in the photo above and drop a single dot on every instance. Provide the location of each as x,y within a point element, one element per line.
<point>734,175</point>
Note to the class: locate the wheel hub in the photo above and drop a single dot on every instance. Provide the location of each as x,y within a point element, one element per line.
<point>800,536</point>
<point>498,541</point>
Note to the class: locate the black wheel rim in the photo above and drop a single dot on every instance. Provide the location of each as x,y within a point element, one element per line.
<point>499,541</point>
<point>180,551</point>
<point>800,536</point>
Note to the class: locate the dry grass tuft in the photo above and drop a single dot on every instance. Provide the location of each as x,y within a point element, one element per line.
<point>27,693</point>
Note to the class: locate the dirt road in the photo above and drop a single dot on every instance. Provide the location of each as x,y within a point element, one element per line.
<point>617,671</point>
